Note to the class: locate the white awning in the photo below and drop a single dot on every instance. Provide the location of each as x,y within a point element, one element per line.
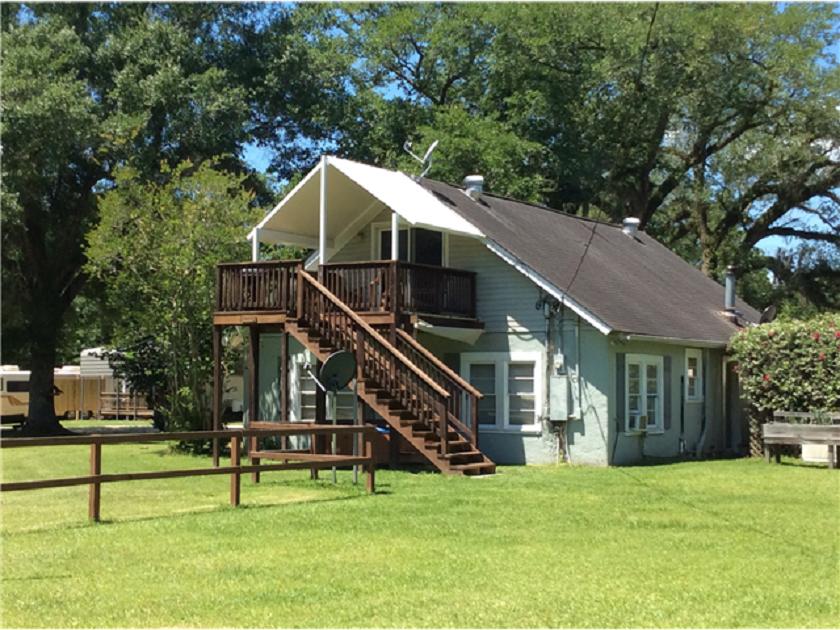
<point>356,193</point>
<point>464,335</point>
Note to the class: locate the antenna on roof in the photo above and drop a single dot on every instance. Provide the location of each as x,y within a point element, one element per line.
<point>426,160</point>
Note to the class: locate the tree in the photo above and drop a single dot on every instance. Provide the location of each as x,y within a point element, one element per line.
<point>156,249</point>
<point>716,125</point>
<point>87,89</point>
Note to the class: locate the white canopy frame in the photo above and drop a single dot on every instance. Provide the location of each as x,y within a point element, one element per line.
<point>339,197</point>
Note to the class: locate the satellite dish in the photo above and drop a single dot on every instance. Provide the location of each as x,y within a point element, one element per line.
<point>426,160</point>
<point>768,314</point>
<point>337,371</point>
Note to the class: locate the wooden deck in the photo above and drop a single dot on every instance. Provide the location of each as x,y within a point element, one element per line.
<point>381,292</point>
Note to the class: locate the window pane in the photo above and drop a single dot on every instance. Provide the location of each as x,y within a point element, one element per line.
<point>487,410</point>
<point>385,245</point>
<point>521,405</point>
<point>17,386</point>
<point>633,370</point>
<point>633,386</point>
<point>483,378</point>
<point>651,410</point>
<point>521,411</point>
<point>428,247</point>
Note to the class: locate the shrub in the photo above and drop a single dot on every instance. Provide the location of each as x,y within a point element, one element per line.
<point>790,365</point>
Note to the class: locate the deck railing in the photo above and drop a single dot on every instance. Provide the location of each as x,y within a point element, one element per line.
<point>257,286</point>
<point>391,286</point>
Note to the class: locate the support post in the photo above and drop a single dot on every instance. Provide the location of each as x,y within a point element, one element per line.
<point>284,384</point>
<point>767,453</point>
<point>253,392</point>
<point>395,236</point>
<point>474,418</point>
<point>235,476</point>
<point>95,489</point>
<point>322,220</point>
<point>370,482</point>
<point>217,389</point>
<point>320,418</point>
<point>255,246</point>
<point>393,448</point>
<point>444,439</point>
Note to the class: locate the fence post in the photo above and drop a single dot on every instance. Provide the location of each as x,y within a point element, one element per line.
<point>236,475</point>
<point>370,467</point>
<point>95,489</point>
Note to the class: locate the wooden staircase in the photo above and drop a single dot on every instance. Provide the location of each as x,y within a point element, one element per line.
<point>423,404</point>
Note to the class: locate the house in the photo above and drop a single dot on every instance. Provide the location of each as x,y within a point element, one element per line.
<point>487,330</point>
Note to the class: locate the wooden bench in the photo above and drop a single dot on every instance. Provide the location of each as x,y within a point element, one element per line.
<point>778,433</point>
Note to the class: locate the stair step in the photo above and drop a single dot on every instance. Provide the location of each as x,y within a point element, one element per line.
<point>464,456</point>
<point>475,467</point>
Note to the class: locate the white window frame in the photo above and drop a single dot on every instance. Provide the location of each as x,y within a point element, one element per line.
<point>385,226</point>
<point>694,353</point>
<point>644,360</point>
<point>502,361</point>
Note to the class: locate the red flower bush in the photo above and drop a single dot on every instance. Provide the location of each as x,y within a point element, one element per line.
<point>790,365</point>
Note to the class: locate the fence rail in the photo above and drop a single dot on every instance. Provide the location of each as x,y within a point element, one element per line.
<point>296,460</point>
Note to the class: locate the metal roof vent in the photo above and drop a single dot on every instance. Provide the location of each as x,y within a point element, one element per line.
<point>729,290</point>
<point>474,186</point>
<point>630,226</point>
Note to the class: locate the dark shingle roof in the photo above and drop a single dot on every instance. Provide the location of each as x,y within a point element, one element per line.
<point>635,285</point>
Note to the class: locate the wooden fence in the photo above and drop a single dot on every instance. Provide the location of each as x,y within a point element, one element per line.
<point>296,460</point>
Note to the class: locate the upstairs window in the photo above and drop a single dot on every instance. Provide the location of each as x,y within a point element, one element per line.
<point>417,245</point>
<point>693,375</point>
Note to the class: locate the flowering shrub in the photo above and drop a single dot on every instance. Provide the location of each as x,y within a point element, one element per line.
<point>790,365</point>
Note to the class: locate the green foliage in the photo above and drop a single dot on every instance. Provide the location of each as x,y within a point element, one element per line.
<point>156,247</point>
<point>791,365</point>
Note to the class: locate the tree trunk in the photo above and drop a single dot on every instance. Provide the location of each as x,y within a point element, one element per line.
<point>41,419</point>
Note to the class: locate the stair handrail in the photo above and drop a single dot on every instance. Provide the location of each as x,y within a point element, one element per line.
<point>372,332</point>
<point>427,354</point>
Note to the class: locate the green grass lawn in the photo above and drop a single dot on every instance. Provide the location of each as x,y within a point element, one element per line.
<point>725,543</point>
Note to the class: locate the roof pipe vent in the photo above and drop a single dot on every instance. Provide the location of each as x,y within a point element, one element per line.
<point>630,226</point>
<point>474,186</point>
<point>729,290</point>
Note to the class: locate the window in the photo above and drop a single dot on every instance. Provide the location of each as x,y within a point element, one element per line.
<point>424,247</point>
<point>14,387</point>
<point>483,378</point>
<point>643,388</point>
<point>693,375</point>
<point>511,386</point>
<point>385,245</point>
<point>521,399</point>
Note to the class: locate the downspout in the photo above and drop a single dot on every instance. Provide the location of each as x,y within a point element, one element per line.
<point>577,373</point>
<point>703,426</point>
<point>682,416</point>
